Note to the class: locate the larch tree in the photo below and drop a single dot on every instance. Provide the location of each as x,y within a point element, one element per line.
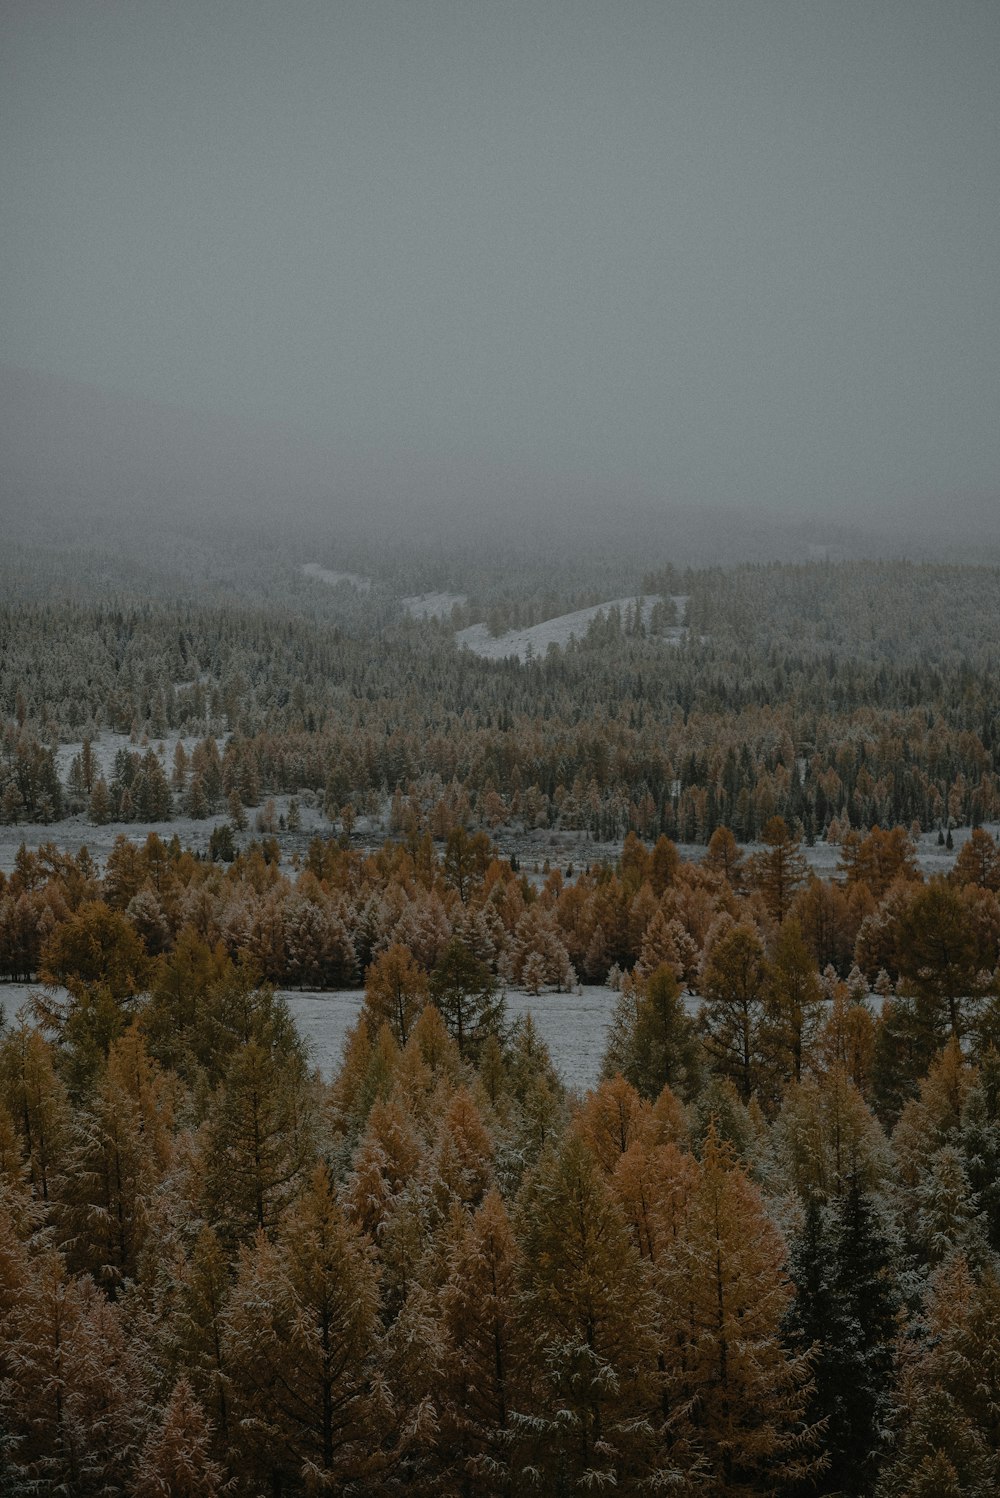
<point>386,1160</point>
<point>795,1003</point>
<point>97,945</point>
<point>38,1104</point>
<point>878,858</point>
<point>828,922</point>
<point>611,1119</point>
<point>978,861</point>
<point>938,964</point>
<point>466,994</point>
<point>935,1200</point>
<point>847,1039</point>
<point>734,987</point>
<point>980,1143</point>
<point>484,1362</point>
<point>460,1165</point>
<point>946,1423</point>
<point>259,1141</point>
<point>666,1050</point>
<point>779,869</point>
<point>194,1326</point>
<point>588,1312</point>
<point>121,1149</point>
<point>723,856</point>
<point>301,1330</point>
<point>76,1402</point>
<point>176,1461</point>
<point>396,991</point>
<point>740,1393</point>
<point>824,1139</point>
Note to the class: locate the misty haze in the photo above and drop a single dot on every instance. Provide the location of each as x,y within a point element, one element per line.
<point>499,748</point>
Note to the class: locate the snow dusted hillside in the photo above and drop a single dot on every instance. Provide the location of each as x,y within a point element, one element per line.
<point>525,644</point>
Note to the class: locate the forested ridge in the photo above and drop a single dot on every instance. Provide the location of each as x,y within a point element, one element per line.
<point>762,1256</point>
<point>861,693</point>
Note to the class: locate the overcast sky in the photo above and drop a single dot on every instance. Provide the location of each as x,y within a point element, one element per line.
<point>705,250</point>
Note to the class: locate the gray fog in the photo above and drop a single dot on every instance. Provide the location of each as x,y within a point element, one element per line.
<point>737,253</point>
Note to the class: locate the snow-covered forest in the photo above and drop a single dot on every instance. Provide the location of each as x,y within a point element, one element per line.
<point>732,848</point>
<point>851,695</point>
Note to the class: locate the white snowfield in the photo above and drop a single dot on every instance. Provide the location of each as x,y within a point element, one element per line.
<point>527,644</point>
<point>432,605</point>
<point>573,1025</point>
<point>324,575</point>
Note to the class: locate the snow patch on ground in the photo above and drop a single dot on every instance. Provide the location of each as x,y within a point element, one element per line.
<point>323,1020</point>
<point>76,832</point>
<point>432,605</point>
<point>14,997</point>
<point>106,747</point>
<point>572,1025</point>
<point>525,644</point>
<point>324,575</point>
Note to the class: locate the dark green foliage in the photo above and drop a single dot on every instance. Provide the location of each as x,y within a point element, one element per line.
<point>652,1039</point>
<point>846,1308</point>
<point>866,1288</point>
<point>980,1145</point>
<point>220,845</point>
<point>467,994</point>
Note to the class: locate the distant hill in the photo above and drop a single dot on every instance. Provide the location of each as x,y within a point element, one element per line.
<point>85,461</point>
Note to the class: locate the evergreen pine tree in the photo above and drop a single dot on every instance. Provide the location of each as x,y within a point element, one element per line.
<point>466,994</point>
<point>862,1379</point>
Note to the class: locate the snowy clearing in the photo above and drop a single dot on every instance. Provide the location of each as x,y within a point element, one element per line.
<point>324,575</point>
<point>573,1026</point>
<point>15,996</point>
<point>109,744</point>
<point>432,605</point>
<point>323,1020</point>
<point>75,832</point>
<point>527,644</point>
<point>559,846</point>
